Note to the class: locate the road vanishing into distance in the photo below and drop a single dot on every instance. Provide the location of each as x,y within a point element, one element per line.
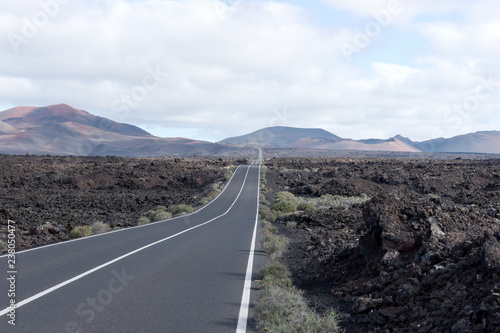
<point>188,274</point>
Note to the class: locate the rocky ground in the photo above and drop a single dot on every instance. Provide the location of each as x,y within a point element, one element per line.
<point>422,255</point>
<point>48,196</point>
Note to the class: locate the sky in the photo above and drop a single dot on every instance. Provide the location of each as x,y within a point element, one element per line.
<point>211,69</point>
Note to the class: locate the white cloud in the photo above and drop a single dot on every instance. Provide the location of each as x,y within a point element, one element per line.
<point>229,69</point>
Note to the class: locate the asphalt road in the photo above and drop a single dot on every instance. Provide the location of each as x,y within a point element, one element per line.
<point>188,274</point>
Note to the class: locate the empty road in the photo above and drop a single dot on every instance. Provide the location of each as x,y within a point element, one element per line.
<point>187,274</point>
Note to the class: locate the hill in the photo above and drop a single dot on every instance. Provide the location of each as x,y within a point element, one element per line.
<point>280,137</point>
<point>64,130</point>
<point>487,142</point>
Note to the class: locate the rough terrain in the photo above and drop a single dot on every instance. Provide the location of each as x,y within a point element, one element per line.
<point>48,196</point>
<point>422,255</point>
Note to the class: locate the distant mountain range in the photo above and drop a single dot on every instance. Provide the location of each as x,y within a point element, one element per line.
<point>289,137</point>
<point>64,130</point>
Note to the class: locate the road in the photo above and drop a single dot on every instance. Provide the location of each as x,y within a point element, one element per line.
<point>187,274</point>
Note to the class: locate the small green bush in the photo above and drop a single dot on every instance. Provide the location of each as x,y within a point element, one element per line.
<point>143,220</point>
<point>211,196</point>
<point>283,309</point>
<point>291,225</point>
<point>265,224</point>
<point>277,274</point>
<point>270,230</point>
<point>228,174</point>
<point>268,215</point>
<point>285,196</point>
<point>264,202</point>
<point>80,231</point>
<point>3,246</point>
<point>274,245</point>
<point>306,207</point>
<point>162,216</point>
<point>100,227</point>
<point>285,207</point>
<point>161,208</point>
<point>181,209</point>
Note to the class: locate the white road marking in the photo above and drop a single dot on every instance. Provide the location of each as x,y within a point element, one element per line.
<point>247,288</point>
<point>62,284</point>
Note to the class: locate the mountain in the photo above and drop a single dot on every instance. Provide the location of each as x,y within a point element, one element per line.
<point>392,144</point>
<point>302,138</point>
<point>280,137</point>
<point>23,117</point>
<point>64,130</point>
<point>487,142</point>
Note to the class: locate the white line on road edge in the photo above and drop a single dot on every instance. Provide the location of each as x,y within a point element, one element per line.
<point>130,228</point>
<point>247,288</point>
<point>78,277</point>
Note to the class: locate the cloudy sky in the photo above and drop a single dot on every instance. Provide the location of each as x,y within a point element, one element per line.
<point>209,69</point>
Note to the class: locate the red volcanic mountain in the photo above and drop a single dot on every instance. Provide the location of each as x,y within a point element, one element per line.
<point>487,142</point>
<point>64,130</point>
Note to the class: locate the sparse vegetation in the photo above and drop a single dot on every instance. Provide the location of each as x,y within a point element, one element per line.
<point>268,228</point>
<point>306,207</point>
<point>99,228</point>
<point>211,196</point>
<point>274,245</point>
<point>3,246</point>
<point>181,209</point>
<point>87,230</point>
<point>162,216</point>
<point>328,200</point>
<point>143,220</point>
<point>229,173</point>
<point>285,207</point>
<point>268,214</point>
<point>80,231</point>
<point>264,202</point>
<point>218,187</point>
<point>276,273</point>
<point>265,225</point>
<point>285,196</point>
<point>282,307</point>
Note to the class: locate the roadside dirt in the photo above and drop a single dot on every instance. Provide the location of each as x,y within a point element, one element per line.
<point>422,255</point>
<point>48,196</point>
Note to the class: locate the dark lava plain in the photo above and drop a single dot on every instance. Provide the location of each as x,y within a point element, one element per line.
<point>47,196</point>
<point>422,255</point>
